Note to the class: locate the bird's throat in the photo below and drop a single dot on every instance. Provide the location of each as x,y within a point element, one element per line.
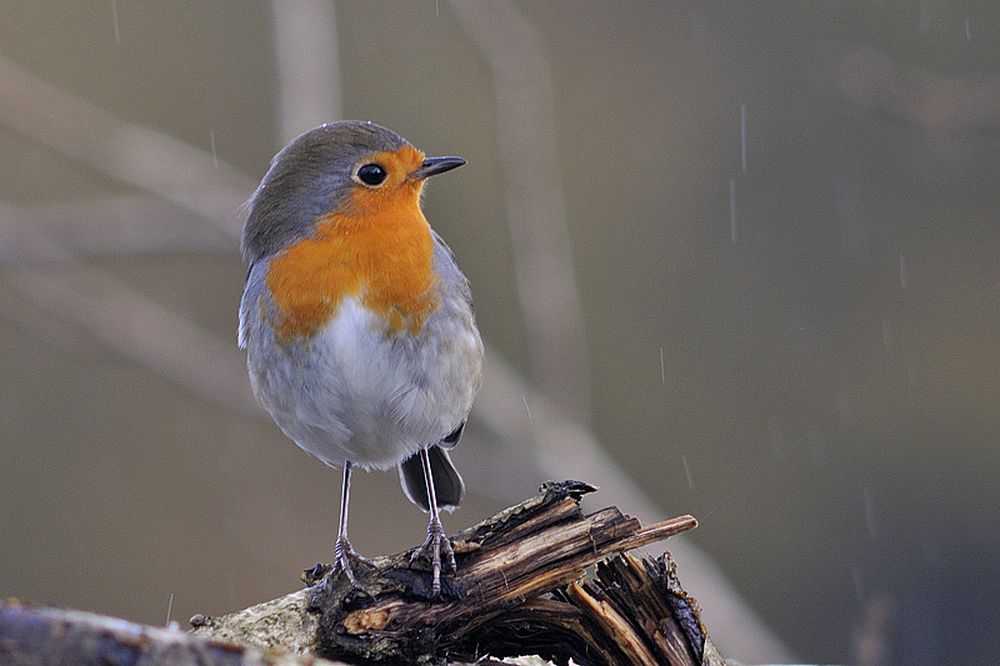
<point>382,256</point>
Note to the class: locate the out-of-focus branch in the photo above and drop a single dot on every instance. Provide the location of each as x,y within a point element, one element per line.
<point>141,330</point>
<point>933,101</point>
<point>536,210</point>
<point>145,158</point>
<point>305,47</point>
<point>112,226</point>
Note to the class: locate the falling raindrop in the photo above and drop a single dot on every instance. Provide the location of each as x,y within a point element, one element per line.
<point>687,472</point>
<point>903,277</point>
<point>114,14</point>
<point>663,373</point>
<point>743,136</point>
<point>968,31</point>
<point>170,608</point>
<point>732,210</point>
<point>869,513</point>
<point>526,408</point>
<point>215,157</point>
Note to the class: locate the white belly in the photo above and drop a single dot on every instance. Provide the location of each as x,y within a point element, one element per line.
<point>354,392</point>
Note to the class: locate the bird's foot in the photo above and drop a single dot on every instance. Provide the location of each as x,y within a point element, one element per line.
<point>343,554</point>
<point>435,542</point>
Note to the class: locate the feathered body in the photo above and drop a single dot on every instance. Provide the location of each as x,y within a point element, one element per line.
<point>358,324</point>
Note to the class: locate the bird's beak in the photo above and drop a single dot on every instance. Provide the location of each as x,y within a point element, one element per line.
<point>432,166</point>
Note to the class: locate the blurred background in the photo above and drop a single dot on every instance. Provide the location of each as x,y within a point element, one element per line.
<point>735,259</point>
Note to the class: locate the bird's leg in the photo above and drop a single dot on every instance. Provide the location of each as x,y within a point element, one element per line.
<point>436,539</point>
<point>343,550</point>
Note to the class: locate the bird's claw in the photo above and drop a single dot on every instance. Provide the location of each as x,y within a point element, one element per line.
<point>435,542</point>
<point>343,554</point>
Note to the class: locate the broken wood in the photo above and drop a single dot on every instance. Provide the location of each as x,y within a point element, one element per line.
<point>517,591</point>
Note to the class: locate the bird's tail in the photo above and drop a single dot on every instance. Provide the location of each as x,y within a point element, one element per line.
<point>448,485</point>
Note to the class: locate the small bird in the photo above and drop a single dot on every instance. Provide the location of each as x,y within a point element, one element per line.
<point>358,324</point>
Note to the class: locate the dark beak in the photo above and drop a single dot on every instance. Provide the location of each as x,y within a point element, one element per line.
<point>432,166</point>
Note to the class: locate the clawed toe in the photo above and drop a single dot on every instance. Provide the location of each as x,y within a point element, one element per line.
<point>343,554</point>
<point>431,548</point>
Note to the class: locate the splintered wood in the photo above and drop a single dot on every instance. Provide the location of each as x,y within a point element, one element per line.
<point>521,588</point>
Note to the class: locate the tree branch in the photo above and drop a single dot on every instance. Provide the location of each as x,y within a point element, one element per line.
<point>31,635</point>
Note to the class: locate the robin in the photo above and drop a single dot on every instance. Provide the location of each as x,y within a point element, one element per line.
<point>358,324</point>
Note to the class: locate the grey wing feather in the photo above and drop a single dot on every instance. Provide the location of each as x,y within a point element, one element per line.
<point>448,484</point>
<point>252,289</point>
<point>451,441</point>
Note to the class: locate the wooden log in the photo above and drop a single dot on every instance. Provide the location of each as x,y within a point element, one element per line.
<point>35,636</point>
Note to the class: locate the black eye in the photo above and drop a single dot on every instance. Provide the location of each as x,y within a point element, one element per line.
<point>372,174</point>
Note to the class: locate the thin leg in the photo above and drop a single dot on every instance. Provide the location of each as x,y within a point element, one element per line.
<point>436,539</point>
<point>343,549</point>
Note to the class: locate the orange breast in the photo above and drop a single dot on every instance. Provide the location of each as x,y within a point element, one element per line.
<point>381,253</point>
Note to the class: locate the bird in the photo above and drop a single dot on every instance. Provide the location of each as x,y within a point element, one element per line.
<point>358,324</point>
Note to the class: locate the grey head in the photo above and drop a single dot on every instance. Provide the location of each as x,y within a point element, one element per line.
<point>309,178</point>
